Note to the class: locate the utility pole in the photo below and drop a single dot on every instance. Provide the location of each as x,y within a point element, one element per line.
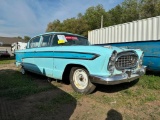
<point>102,21</point>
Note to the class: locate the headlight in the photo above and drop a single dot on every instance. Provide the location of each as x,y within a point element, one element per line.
<point>111,64</point>
<point>141,60</point>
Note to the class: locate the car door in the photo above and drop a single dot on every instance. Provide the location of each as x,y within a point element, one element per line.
<point>44,56</point>
<point>29,54</point>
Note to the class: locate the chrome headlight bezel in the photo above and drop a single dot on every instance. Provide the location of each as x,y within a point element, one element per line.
<point>111,63</point>
<point>141,59</point>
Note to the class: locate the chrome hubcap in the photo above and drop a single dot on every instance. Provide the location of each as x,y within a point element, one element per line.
<point>80,79</point>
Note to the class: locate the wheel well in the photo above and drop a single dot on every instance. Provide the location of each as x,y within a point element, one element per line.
<point>66,73</point>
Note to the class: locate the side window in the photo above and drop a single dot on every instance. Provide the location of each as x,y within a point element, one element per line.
<point>46,40</point>
<point>34,42</point>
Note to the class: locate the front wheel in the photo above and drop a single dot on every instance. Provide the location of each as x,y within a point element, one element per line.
<point>80,82</point>
<point>22,70</point>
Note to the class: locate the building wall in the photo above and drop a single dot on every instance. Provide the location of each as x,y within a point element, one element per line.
<point>141,30</point>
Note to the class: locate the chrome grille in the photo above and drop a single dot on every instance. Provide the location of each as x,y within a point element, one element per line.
<point>126,60</point>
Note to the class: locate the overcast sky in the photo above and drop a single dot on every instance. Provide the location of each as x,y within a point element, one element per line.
<point>30,17</point>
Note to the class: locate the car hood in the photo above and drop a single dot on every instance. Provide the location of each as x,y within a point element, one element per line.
<point>90,49</point>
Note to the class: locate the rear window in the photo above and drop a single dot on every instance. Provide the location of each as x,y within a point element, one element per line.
<point>69,40</point>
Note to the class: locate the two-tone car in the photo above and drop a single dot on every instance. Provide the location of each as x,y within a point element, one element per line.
<point>67,56</point>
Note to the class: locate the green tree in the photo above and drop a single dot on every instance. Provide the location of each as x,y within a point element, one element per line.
<point>149,8</point>
<point>68,25</point>
<point>93,16</point>
<point>77,26</point>
<point>130,10</point>
<point>157,8</point>
<point>19,37</point>
<point>26,38</point>
<point>115,15</point>
<point>55,26</point>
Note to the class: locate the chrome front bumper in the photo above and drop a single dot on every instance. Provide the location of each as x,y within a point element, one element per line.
<point>127,76</point>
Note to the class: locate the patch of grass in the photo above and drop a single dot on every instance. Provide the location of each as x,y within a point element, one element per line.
<point>6,60</point>
<point>107,99</point>
<point>137,96</point>
<point>57,101</point>
<point>63,98</point>
<point>104,99</point>
<point>129,98</point>
<point>149,96</point>
<point>132,92</point>
<point>13,85</point>
<point>128,92</point>
<point>150,82</point>
<point>77,95</point>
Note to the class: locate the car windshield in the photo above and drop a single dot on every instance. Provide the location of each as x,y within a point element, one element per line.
<point>70,40</point>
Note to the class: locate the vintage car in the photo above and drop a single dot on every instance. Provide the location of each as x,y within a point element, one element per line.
<point>61,55</point>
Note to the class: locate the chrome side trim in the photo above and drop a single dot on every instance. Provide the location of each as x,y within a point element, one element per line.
<point>120,78</point>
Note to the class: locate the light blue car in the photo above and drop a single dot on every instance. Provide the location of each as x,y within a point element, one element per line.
<point>67,56</point>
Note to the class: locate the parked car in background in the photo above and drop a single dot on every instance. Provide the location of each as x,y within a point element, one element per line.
<point>4,54</point>
<point>61,55</point>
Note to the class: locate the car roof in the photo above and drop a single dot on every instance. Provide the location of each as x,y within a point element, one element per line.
<point>66,33</point>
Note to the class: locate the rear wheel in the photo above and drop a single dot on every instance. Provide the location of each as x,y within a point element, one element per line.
<point>79,79</point>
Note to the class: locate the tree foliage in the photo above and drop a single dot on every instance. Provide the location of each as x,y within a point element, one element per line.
<point>55,25</point>
<point>26,38</point>
<point>130,10</point>
<point>93,16</point>
<point>114,16</point>
<point>127,11</point>
<point>149,8</point>
<point>19,37</point>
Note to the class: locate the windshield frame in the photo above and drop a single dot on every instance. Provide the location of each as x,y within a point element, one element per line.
<point>80,41</point>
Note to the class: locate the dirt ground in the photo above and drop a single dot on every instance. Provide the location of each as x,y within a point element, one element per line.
<point>86,107</point>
